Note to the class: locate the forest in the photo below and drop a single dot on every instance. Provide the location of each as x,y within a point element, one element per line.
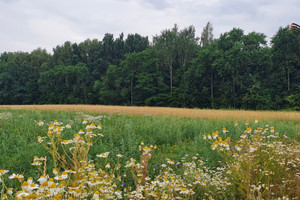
<point>176,69</point>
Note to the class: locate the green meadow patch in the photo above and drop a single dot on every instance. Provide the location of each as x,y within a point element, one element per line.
<point>176,142</point>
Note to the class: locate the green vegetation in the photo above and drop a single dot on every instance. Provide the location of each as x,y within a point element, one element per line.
<point>175,138</point>
<point>175,69</point>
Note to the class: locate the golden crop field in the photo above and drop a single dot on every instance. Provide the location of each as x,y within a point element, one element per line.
<point>164,111</point>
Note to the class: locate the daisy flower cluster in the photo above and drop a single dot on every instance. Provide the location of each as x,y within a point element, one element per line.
<point>261,163</point>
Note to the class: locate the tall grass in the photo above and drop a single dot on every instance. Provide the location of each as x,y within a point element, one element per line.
<point>175,112</point>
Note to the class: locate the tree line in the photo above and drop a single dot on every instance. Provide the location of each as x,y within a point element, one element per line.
<point>176,69</point>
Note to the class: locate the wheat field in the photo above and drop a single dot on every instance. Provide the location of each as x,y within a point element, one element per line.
<point>165,111</point>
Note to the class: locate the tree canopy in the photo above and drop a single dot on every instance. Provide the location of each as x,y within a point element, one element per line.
<point>177,68</point>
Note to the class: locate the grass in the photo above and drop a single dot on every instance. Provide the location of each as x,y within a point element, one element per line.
<point>174,136</point>
<point>174,112</point>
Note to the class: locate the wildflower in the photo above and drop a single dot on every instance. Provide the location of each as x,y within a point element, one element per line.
<point>103,155</point>
<point>235,123</point>
<point>249,129</point>
<point>96,195</point>
<point>272,129</point>
<point>171,162</point>
<point>40,139</point>
<point>118,193</point>
<point>247,123</point>
<point>40,123</point>
<point>119,155</point>
<point>67,141</point>
<point>68,125</point>
<point>22,194</point>
<point>204,137</point>
<point>20,177</point>
<point>85,121</point>
<point>50,127</point>
<point>9,191</point>
<point>214,146</point>
<point>147,150</point>
<point>42,179</point>
<point>215,135</point>
<point>36,163</point>
<point>3,171</point>
<point>252,148</point>
<point>237,148</point>
<point>243,136</point>
<point>99,126</point>
<point>224,130</point>
<point>57,123</point>
<point>55,172</point>
<point>258,130</point>
<point>256,120</point>
<point>235,154</point>
<point>184,190</point>
<point>107,166</point>
<point>163,165</point>
<point>209,136</point>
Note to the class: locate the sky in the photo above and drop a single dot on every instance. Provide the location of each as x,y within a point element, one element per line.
<point>26,25</point>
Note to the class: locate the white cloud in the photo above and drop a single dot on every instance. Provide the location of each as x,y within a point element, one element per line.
<point>29,24</point>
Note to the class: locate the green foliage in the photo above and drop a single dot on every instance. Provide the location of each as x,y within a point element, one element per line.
<point>262,163</point>
<point>177,69</point>
<point>64,84</point>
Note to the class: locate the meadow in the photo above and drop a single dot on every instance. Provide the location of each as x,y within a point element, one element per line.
<point>148,146</point>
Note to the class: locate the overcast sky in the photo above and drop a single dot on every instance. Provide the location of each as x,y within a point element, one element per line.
<point>26,25</point>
